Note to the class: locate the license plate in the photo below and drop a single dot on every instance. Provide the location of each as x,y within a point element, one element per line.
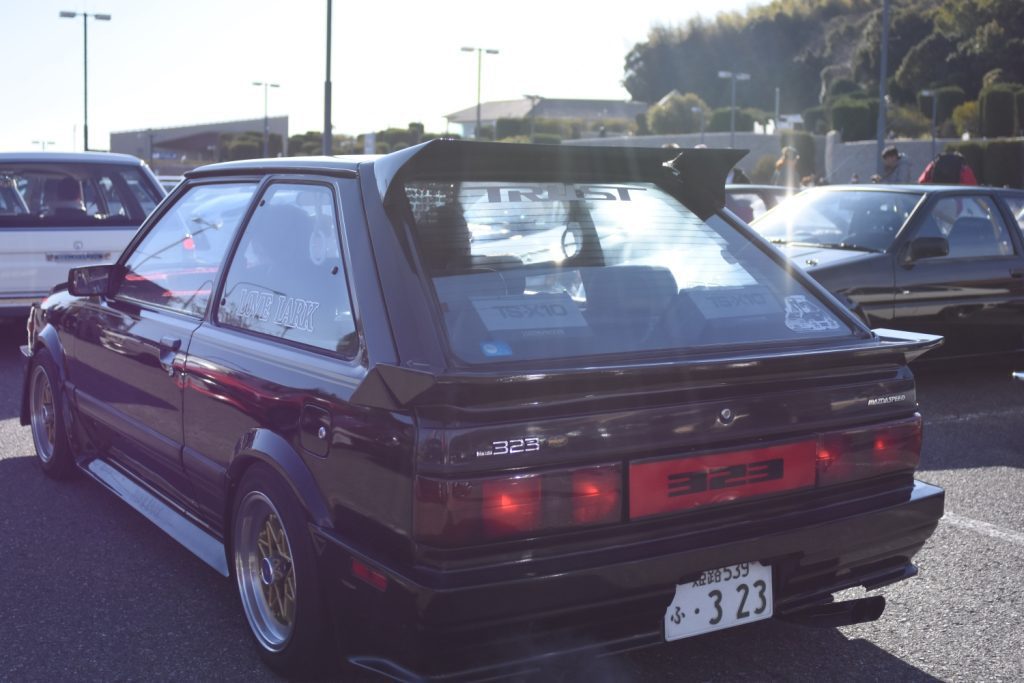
<point>720,598</point>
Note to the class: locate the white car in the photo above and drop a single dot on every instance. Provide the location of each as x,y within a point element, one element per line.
<point>61,210</point>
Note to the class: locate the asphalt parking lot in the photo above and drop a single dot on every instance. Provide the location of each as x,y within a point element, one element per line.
<point>92,591</point>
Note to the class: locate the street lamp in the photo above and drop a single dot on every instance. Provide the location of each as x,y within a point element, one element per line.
<point>43,143</point>
<point>733,76</point>
<point>479,64</point>
<point>266,121</point>
<point>931,94</point>
<point>85,65</point>
<point>534,99</point>
<point>328,139</point>
<point>700,111</point>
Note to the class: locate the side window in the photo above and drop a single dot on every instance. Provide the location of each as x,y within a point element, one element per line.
<point>972,225</point>
<point>1016,205</point>
<point>176,263</point>
<point>287,279</point>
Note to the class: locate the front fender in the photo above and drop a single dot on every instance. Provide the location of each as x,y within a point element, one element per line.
<point>46,337</point>
<point>263,445</point>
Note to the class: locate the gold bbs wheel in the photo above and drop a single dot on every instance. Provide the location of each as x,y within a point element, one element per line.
<point>265,571</point>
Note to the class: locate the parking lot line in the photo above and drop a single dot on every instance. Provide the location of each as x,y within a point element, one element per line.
<point>985,528</point>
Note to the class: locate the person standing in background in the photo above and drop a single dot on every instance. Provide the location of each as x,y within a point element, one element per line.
<point>895,168</point>
<point>785,168</point>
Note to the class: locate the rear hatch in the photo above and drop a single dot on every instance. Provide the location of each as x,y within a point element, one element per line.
<point>593,352</point>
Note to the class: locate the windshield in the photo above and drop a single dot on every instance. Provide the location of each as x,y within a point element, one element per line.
<point>54,194</point>
<point>525,271</point>
<point>849,219</point>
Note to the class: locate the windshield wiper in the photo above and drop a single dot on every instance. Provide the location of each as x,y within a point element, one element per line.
<point>849,246</point>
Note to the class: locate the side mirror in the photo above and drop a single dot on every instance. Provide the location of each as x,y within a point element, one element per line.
<point>91,280</point>
<point>927,247</point>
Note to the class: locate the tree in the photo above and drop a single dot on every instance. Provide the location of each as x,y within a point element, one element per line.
<point>966,118</point>
<point>674,114</point>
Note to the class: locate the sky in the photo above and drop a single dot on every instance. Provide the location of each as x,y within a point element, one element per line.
<point>183,62</point>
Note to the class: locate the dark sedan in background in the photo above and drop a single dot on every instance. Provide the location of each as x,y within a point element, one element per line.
<point>944,260</point>
<point>753,201</point>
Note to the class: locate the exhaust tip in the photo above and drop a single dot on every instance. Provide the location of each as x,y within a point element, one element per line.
<point>836,614</point>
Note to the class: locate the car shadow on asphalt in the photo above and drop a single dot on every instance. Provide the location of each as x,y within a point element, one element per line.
<point>767,651</point>
<point>94,591</point>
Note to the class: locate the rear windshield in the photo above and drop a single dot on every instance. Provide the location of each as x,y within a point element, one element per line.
<point>539,271</point>
<point>74,195</point>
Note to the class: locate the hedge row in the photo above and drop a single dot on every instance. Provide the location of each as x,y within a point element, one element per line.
<point>995,162</point>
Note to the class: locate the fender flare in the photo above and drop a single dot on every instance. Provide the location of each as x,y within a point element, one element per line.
<point>47,338</point>
<point>268,447</point>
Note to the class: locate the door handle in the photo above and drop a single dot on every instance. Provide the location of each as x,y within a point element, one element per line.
<point>1016,272</point>
<point>168,350</point>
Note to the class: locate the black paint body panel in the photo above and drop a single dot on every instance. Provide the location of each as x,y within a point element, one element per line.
<point>349,435</point>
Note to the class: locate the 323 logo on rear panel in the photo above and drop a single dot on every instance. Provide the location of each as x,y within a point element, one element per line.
<point>528,444</point>
<point>685,483</point>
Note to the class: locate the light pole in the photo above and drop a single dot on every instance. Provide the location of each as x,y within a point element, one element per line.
<point>883,70</point>
<point>700,111</point>
<point>328,141</point>
<point>266,121</point>
<point>43,143</point>
<point>931,94</point>
<point>534,99</point>
<point>479,66</point>
<point>733,76</point>
<point>85,66</point>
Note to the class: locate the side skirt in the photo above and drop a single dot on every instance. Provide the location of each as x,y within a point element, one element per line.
<point>170,521</point>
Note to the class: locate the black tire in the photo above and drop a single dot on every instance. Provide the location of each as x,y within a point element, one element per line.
<point>276,574</point>
<point>49,432</point>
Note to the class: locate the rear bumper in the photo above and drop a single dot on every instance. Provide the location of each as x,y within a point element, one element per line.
<point>489,623</point>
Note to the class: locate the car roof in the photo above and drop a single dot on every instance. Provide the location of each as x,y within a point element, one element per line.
<point>70,158</point>
<point>916,189</point>
<point>760,187</point>
<point>311,164</point>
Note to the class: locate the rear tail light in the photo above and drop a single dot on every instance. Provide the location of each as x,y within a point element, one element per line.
<point>496,508</point>
<point>509,507</point>
<point>869,451</point>
<point>485,509</point>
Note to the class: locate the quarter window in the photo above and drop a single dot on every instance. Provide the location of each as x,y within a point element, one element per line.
<point>176,263</point>
<point>1017,208</point>
<point>287,279</point>
<point>972,225</point>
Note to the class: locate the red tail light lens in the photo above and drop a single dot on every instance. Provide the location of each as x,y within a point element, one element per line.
<point>869,451</point>
<point>510,506</point>
<point>596,496</point>
<point>496,508</point>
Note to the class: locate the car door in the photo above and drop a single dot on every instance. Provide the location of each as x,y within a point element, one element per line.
<point>974,295</point>
<point>129,348</point>
<point>279,354</point>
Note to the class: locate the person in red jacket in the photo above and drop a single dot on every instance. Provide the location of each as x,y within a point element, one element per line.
<point>948,169</point>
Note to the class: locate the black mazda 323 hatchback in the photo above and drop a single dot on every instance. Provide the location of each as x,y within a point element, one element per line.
<point>467,409</point>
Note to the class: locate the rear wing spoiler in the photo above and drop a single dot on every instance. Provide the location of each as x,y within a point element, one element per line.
<point>700,173</point>
<point>393,387</point>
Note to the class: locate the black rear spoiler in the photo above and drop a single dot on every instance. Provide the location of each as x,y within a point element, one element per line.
<point>700,173</point>
<point>394,388</point>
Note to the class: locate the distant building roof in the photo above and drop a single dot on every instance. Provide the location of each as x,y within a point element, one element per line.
<point>549,109</point>
<point>492,111</point>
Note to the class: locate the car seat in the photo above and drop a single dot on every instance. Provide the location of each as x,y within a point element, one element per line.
<point>626,302</point>
<point>973,236</point>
